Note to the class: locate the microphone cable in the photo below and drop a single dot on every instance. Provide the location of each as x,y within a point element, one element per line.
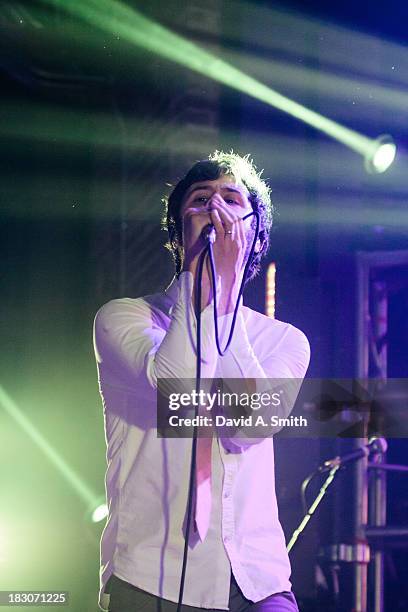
<point>208,250</point>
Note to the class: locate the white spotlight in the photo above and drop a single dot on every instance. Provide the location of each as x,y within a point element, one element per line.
<point>381,155</point>
<point>99,513</point>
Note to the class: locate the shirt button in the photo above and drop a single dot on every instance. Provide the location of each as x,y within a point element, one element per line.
<point>227,494</point>
<point>227,538</point>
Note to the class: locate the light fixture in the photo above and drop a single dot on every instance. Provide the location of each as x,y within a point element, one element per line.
<point>99,513</point>
<point>381,155</point>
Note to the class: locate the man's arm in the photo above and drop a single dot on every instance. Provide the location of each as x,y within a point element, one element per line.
<point>278,359</point>
<point>134,344</point>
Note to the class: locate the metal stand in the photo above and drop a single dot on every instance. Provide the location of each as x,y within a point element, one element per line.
<point>371,351</point>
<point>312,509</point>
<point>370,533</point>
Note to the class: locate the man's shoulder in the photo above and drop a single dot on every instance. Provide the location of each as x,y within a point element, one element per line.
<point>130,307</point>
<point>263,321</point>
<point>122,305</point>
<point>259,324</point>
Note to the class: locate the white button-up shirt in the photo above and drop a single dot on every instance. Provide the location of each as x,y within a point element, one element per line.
<point>138,341</point>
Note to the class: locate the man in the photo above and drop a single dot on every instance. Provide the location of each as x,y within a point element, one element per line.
<point>237,557</point>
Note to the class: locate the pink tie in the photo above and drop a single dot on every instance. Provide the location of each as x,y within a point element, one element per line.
<point>203,485</point>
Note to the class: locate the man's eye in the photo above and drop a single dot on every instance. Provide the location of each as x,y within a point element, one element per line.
<point>201,199</point>
<point>230,201</point>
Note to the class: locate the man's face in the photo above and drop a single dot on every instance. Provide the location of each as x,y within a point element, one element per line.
<point>233,194</point>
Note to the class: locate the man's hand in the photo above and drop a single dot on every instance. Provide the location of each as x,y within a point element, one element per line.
<point>194,221</point>
<point>229,251</point>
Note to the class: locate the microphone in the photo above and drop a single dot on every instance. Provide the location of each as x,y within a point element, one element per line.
<point>375,445</point>
<point>208,233</point>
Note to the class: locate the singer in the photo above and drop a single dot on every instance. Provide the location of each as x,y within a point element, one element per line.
<point>237,557</point>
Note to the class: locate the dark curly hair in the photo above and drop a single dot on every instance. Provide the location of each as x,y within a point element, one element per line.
<point>218,164</point>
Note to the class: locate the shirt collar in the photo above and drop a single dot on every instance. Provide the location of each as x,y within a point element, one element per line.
<point>172,291</point>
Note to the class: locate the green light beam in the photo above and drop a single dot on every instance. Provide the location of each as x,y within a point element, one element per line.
<point>329,85</point>
<point>115,17</point>
<point>76,482</point>
<point>324,41</point>
<point>49,124</point>
<point>355,214</point>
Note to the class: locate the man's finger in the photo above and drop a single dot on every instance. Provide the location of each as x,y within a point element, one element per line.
<point>216,221</point>
<point>196,212</point>
<point>240,228</point>
<point>226,218</point>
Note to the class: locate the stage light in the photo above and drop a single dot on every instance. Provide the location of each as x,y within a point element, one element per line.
<point>382,154</point>
<point>118,19</point>
<point>72,478</point>
<point>99,513</point>
<point>271,290</point>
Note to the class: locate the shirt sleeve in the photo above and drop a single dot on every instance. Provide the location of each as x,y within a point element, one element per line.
<point>287,356</point>
<point>283,364</point>
<point>135,344</point>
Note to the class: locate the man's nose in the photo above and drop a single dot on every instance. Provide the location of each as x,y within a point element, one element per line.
<point>215,196</point>
<point>209,201</point>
